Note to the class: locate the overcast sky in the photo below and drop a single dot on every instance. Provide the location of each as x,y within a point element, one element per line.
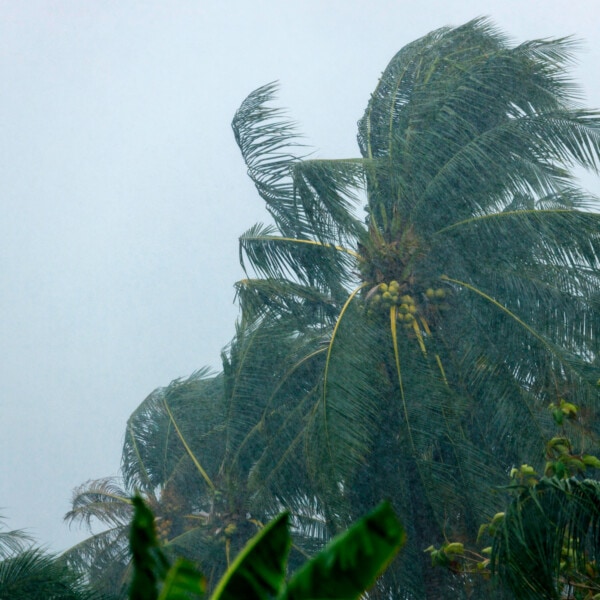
<point>122,194</point>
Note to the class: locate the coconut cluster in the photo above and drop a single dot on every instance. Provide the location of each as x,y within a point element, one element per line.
<point>386,295</point>
<point>437,294</point>
<point>163,527</point>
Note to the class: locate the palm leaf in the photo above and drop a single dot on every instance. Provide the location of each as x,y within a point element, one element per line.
<point>35,574</point>
<point>12,542</point>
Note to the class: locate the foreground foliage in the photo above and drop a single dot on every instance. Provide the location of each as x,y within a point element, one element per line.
<point>346,568</point>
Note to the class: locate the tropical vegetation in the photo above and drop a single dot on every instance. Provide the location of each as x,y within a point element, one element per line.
<point>546,542</point>
<point>346,568</point>
<point>182,453</point>
<point>407,351</point>
<point>459,307</point>
<point>28,572</point>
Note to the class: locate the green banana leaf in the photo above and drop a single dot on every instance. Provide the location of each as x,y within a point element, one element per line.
<point>346,568</point>
<point>351,563</point>
<point>182,582</point>
<point>258,572</point>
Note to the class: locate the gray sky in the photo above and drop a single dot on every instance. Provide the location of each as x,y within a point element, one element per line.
<point>122,194</point>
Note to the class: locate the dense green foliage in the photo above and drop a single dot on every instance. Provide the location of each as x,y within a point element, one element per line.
<point>408,352</point>
<point>461,306</point>
<point>546,541</point>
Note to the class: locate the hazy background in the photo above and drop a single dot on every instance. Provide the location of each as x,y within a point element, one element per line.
<point>122,194</point>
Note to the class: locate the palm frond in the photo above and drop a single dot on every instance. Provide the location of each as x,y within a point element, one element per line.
<point>153,447</point>
<point>104,558</point>
<point>104,500</point>
<point>33,573</point>
<point>13,542</point>
<point>307,305</point>
<point>266,140</point>
<point>342,424</point>
<point>328,192</point>
<point>309,262</point>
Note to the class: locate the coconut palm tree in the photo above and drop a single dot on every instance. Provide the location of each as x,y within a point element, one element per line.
<point>27,572</point>
<point>103,558</point>
<point>446,318</point>
<point>189,450</point>
<point>36,575</point>
<point>156,459</point>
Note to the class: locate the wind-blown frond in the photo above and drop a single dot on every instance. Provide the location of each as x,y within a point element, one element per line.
<point>266,140</point>
<point>311,263</point>
<point>307,198</point>
<point>12,542</point>
<point>307,305</point>
<point>104,559</point>
<point>154,446</point>
<point>101,499</point>
<point>328,192</point>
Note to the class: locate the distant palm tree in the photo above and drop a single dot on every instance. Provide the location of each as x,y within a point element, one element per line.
<point>156,459</point>
<point>35,575</point>
<point>104,557</point>
<point>189,451</point>
<point>29,573</point>
<point>445,319</point>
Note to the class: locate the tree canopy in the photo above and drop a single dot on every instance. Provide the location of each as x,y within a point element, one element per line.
<point>408,351</point>
<point>460,305</point>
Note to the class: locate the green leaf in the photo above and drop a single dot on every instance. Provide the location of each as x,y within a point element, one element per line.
<point>351,563</point>
<point>149,563</point>
<point>183,582</point>
<point>259,570</point>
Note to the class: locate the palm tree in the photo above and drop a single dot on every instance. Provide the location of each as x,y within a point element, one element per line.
<point>156,460</point>
<point>189,450</point>
<point>27,572</point>
<point>443,321</point>
<point>103,558</point>
<point>35,575</point>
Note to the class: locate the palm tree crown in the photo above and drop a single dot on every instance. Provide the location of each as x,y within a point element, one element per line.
<point>463,303</point>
